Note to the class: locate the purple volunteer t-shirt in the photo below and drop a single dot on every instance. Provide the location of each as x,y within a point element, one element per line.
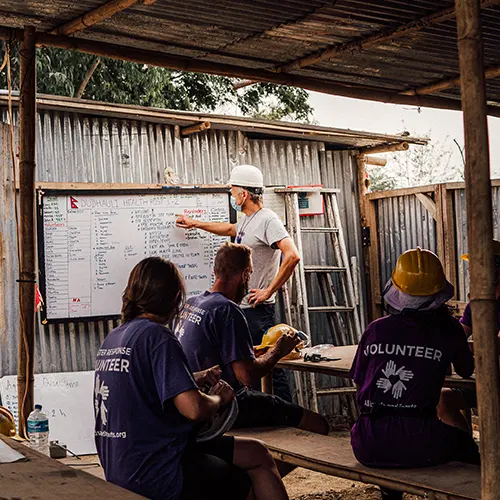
<point>139,433</point>
<point>466,318</point>
<point>401,364</point>
<point>214,331</point>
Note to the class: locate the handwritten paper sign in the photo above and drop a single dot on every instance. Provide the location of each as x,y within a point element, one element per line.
<point>67,400</point>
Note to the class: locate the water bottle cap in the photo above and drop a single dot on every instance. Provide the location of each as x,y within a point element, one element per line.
<point>38,407</point>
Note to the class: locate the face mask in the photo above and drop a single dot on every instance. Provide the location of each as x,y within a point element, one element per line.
<point>234,205</point>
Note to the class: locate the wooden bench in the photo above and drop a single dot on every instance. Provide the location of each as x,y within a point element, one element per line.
<point>333,455</point>
<point>44,478</point>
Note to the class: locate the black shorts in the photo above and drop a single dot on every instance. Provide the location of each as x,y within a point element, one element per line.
<point>257,409</point>
<point>209,473</point>
<point>469,396</point>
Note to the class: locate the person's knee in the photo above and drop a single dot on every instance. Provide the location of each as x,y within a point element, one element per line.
<point>448,402</point>
<point>261,453</point>
<point>314,422</point>
<point>251,453</point>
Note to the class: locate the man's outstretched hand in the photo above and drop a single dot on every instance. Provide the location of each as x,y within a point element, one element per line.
<point>185,222</point>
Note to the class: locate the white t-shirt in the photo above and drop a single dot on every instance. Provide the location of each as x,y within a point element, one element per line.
<point>262,231</point>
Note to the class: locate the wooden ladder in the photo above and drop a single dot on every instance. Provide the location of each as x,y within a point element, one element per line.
<point>336,289</point>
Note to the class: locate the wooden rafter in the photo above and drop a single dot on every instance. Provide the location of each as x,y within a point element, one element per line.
<point>182,63</point>
<point>368,42</point>
<point>449,83</point>
<point>97,15</point>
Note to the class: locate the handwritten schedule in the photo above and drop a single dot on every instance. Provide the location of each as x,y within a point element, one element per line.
<point>92,242</point>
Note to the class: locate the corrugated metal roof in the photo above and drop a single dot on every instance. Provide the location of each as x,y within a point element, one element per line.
<point>265,34</point>
<point>338,138</point>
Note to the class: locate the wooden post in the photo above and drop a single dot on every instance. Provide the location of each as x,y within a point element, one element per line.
<point>27,276</point>
<point>363,216</point>
<point>446,232</point>
<point>480,235</point>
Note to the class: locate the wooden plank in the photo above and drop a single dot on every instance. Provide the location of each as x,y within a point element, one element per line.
<point>44,478</point>
<point>333,455</point>
<point>446,233</point>
<point>428,203</point>
<point>342,367</point>
<point>97,186</point>
<point>377,195</point>
<point>373,255</point>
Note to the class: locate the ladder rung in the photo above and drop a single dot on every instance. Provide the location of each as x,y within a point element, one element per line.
<point>324,269</point>
<point>326,309</point>
<point>336,391</point>
<point>319,230</point>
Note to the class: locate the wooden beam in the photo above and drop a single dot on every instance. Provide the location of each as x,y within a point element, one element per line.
<point>87,78</point>
<point>363,203</point>
<point>27,276</point>
<point>480,240</point>
<point>95,16</point>
<point>377,38</point>
<point>376,160</point>
<point>449,83</point>
<point>428,203</point>
<point>373,256</point>
<point>193,129</point>
<point>446,233</point>
<point>364,43</point>
<point>196,65</point>
<point>384,148</point>
<point>188,64</point>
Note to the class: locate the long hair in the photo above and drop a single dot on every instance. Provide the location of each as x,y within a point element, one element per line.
<point>155,286</point>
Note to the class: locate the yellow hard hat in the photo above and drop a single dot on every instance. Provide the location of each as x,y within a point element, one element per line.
<point>7,423</point>
<point>419,273</point>
<point>496,250</point>
<point>272,335</point>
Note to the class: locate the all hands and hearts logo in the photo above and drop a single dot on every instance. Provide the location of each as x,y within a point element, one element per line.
<point>101,394</point>
<point>394,379</point>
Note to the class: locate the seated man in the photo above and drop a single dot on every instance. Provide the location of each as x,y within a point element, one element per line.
<point>456,399</point>
<point>212,330</point>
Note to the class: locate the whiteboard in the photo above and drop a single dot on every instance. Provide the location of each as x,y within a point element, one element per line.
<point>91,242</point>
<point>67,400</point>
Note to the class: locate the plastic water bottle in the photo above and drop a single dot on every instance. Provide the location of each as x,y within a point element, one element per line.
<point>38,430</point>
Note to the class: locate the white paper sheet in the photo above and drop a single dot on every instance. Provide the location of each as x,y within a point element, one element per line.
<point>8,455</point>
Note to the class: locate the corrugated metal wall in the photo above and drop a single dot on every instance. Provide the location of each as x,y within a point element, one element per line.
<point>9,269</point>
<point>76,148</point>
<point>402,223</point>
<point>461,232</point>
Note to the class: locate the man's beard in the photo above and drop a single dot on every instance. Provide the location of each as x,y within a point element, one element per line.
<point>242,292</point>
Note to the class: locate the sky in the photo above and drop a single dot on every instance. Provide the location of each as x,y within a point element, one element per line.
<point>439,125</point>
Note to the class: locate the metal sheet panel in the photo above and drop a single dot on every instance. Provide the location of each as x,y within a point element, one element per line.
<point>403,223</point>
<point>461,231</point>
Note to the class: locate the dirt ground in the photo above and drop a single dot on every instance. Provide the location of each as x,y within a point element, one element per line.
<point>303,484</point>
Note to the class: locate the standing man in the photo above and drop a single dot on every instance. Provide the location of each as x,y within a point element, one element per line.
<point>261,230</point>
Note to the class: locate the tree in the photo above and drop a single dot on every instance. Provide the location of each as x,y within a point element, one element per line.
<point>418,166</point>
<point>61,72</point>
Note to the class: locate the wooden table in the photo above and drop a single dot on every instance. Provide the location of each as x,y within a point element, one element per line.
<point>342,367</point>
<point>44,478</point>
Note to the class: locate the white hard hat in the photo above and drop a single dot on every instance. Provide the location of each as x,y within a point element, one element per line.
<point>246,176</point>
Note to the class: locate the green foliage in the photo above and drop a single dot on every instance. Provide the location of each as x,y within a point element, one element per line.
<point>61,72</point>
